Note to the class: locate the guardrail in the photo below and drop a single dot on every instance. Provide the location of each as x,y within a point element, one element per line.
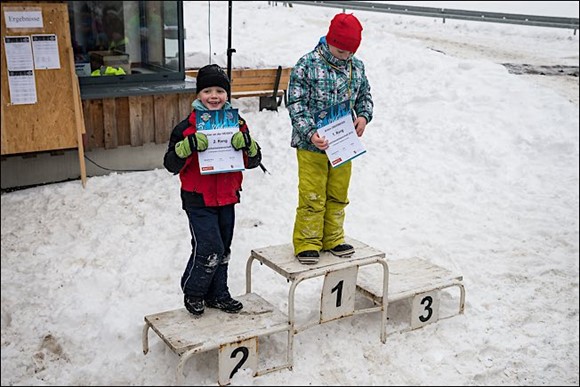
<point>446,13</point>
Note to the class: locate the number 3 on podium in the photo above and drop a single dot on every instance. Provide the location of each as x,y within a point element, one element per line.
<point>425,309</point>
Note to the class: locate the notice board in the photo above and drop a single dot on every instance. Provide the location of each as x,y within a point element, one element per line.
<point>41,106</point>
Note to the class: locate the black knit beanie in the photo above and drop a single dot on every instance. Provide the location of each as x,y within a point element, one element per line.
<point>212,75</point>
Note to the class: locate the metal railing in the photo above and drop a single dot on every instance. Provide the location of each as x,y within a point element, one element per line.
<point>446,13</point>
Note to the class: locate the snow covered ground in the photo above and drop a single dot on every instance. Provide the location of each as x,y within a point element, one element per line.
<point>467,166</point>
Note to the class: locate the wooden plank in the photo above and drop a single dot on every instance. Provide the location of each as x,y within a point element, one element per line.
<point>256,88</point>
<point>148,119</point>
<point>136,121</point>
<point>80,125</point>
<point>258,80</point>
<point>160,119</point>
<point>241,73</point>
<point>96,132</point>
<point>88,124</point>
<point>166,108</point>
<point>270,72</point>
<point>185,101</point>
<point>173,114</point>
<point>110,123</point>
<point>123,125</point>
<point>262,93</point>
<point>86,112</point>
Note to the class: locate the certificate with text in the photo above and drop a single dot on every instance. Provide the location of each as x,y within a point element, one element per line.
<point>335,123</point>
<point>219,126</point>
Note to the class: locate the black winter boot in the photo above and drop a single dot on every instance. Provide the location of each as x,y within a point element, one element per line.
<point>194,305</point>
<point>308,257</point>
<point>228,305</point>
<point>343,250</point>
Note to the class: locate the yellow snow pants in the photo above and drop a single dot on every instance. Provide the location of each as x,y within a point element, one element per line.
<point>322,198</point>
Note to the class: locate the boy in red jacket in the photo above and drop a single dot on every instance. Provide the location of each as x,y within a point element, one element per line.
<point>208,200</point>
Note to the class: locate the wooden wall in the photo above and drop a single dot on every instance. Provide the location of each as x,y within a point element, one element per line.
<point>134,121</point>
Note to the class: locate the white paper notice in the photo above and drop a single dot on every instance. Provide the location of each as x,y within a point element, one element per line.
<point>20,70</point>
<point>335,123</point>
<point>45,48</point>
<point>18,53</point>
<point>22,87</point>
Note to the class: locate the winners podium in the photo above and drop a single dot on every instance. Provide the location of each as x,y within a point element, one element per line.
<point>236,335</point>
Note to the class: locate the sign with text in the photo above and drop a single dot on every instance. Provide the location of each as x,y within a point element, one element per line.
<point>219,126</point>
<point>23,19</point>
<point>335,123</point>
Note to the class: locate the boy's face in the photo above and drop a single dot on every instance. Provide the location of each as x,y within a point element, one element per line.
<point>338,53</point>
<point>213,98</point>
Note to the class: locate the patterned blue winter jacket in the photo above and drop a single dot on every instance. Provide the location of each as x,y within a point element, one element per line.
<point>320,80</point>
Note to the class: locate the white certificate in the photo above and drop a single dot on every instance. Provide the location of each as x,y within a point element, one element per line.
<point>18,53</point>
<point>220,156</point>
<point>335,123</point>
<point>45,49</point>
<point>22,87</point>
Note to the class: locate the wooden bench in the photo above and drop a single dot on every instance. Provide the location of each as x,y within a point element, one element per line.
<point>270,84</point>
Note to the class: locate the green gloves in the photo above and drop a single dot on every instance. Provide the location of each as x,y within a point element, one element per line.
<point>197,141</point>
<point>242,140</point>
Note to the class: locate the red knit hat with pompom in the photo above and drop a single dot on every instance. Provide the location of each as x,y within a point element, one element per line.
<point>345,32</point>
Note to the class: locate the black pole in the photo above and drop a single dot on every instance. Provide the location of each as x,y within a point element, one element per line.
<point>230,52</point>
<point>230,49</point>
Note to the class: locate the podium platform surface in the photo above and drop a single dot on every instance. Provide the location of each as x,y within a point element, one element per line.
<point>415,279</point>
<point>281,259</point>
<point>188,335</point>
<point>407,277</point>
<point>183,332</point>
